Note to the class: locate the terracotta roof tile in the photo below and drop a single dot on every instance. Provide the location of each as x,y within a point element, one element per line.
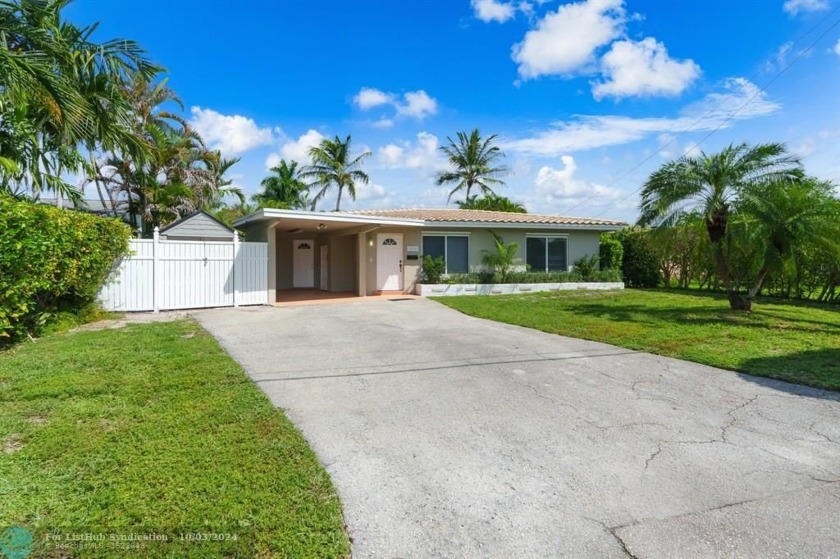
<point>483,216</point>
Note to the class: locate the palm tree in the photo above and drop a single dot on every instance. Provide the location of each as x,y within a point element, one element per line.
<point>503,259</point>
<point>332,165</point>
<point>715,185</point>
<point>474,163</point>
<point>284,188</point>
<point>492,202</point>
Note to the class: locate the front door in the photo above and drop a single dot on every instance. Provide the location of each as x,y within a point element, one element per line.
<point>303,263</point>
<point>389,262</point>
<point>325,267</point>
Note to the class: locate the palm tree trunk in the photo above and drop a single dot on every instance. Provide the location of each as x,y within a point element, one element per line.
<point>338,200</point>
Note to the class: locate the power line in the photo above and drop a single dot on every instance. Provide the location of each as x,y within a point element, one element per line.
<point>742,107</point>
<point>711,111</point>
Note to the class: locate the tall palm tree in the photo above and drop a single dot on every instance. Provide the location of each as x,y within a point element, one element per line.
<point>333,165</point>
<point>284,188</point>
<point>474,163</point>
<point>491,202</point>
<point>716,185</point>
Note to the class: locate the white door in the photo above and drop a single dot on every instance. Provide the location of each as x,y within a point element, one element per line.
<point>325,267</point>
<point>303,263</point>
<point>389,261</point>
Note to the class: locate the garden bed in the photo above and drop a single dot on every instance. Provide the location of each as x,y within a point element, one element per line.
<point>453,289</point>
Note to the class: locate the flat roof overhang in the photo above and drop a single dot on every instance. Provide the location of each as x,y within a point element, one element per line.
<point>301,218</point>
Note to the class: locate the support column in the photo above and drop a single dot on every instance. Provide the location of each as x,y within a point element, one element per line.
<point>362,250</point>
<point>271,239</point>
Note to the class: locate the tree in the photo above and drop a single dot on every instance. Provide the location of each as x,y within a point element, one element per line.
<point>491,202</point>
<point>503,259</point>
<point>284,188</point>
<point>474,164</point>
<point>333,165</point>
<point>59,91</point>
<point>716,185</point>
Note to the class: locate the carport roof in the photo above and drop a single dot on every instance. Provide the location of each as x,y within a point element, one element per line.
<point>270,214</point>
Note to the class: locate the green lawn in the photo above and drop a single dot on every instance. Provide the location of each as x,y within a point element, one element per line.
<point>153,429</point>
<point>790,341</point>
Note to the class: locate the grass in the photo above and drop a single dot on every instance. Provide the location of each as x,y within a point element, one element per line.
<point>153,429</point>
<point>795,342</point>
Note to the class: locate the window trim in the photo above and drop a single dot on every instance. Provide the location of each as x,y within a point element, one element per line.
<point>445,235</point>
<point>546,237</point>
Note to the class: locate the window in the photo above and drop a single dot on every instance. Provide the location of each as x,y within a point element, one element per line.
<point>547,254</point>
<point>304,246</point>
<point>455,250</point>
<point>389,242</point>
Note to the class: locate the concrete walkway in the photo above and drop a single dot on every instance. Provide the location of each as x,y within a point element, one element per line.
<point>450,436</point>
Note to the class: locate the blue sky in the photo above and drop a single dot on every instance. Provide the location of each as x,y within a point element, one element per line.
<point>587,97</point>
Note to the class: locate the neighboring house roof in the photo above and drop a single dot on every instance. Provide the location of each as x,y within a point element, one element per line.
<point>197,224</point>
<point>485,217</point>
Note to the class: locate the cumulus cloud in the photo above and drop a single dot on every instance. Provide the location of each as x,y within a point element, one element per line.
<point>643,69</point>
<point>369,97</point>
<point>421,154</point>
<point>836,48</point>
<point>232,134</point>
<point>740,100</point>
<point>794,7</point>
<point>493,10</point>
<point>565,41</point>
<point>296,150</point>
<point>413,104</point>
<point>559,185</point>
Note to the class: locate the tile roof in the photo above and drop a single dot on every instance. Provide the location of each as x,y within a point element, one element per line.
<point>483,216</point>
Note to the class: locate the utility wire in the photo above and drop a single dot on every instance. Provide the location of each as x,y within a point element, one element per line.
<point>714,109</point>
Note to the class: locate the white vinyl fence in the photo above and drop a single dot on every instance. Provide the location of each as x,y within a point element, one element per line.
<point>168,275</point>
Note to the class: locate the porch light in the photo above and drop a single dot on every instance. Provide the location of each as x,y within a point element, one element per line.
<point>321,227</point>
<point>370,242</point>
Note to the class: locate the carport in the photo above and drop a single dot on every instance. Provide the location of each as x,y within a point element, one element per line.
<point>328,254</point>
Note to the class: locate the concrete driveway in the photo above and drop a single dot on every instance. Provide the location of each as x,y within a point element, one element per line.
<point>450,436</point>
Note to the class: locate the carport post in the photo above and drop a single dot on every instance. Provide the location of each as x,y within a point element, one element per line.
<point>361,276</point>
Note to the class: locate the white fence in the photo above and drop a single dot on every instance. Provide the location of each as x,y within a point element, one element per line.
<point>169,275</point>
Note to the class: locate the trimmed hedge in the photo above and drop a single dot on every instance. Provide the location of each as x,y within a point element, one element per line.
<point>51,260</point>
<point>640,264</point>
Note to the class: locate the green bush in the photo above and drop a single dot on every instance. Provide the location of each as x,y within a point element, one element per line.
<point>611,252</point>
<point>51,261</point>
<point>432,270</point>
<point>640,265</point>
<point>586,266</point>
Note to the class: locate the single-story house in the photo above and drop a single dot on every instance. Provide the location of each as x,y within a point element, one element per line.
<point>197,226</point>
<point>380,251</point>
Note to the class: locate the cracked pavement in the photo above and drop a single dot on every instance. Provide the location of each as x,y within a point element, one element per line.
<point>447,436</point>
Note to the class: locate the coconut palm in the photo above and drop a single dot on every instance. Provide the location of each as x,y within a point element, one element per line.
<point>474,163</point>
<point>284,188</point>
<point>332,165</point>
<point>716,185</point>
<point>492,202</point>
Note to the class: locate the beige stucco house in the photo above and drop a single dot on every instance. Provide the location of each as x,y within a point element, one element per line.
<point>375,251</point>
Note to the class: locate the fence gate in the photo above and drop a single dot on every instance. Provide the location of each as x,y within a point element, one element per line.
<point>168,275</point>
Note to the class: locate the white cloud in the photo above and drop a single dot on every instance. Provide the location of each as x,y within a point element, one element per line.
<point>417,105</point>
<point>423,154</point>
<point>741,100</point>
<point>232,134</point>
<point>643,69</point>
<point>369,97</point>
<point>836,48</point>
<point>413,104</point>
<point>794,7</point>
<point>492,10</point>
<point>296,150</point>
<point>559,185</point>
<point>565,41</point>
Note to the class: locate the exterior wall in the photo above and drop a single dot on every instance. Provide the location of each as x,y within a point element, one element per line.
<point>342,257</point>
<point>198,227</point>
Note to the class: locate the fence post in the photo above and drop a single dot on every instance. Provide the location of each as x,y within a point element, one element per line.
<point>156,288</point>
<point>235,275</point>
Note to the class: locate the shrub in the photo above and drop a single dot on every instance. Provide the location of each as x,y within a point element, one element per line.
<point>640,265</point>
<point>432,270</point>
<point>586,266</point>
<point>51,261</point>
<point>611,252</point>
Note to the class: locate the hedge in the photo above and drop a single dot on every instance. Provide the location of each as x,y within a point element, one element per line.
<point>51,260</point>
<point>640,264</point>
